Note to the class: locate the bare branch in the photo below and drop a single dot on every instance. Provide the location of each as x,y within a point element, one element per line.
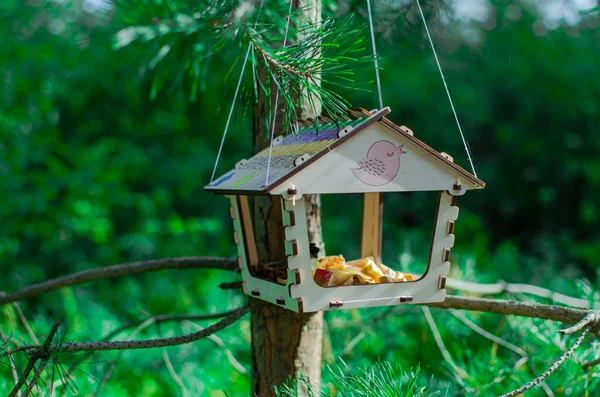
<point>501,286</point>
<point>146,344</point>
<point>552,368</point>
<point>101,273</point>
<point>591,318</point>
<point>161,318</point>
<point>524,309</point>
<point>36,377</point>
<point>589,364</point>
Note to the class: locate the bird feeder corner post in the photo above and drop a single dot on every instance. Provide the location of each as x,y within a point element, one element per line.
<point>372,225</point>
<point>296,249</point>
<point>442,243</point>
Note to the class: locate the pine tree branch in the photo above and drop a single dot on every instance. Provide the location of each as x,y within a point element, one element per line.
<point>141,344</point>
<point>102,273</point>
<point>502,286</point>
<point>509,307</point>
<point>161,318</point>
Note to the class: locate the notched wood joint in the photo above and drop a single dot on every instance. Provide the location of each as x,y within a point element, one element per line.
<point>300,305</point>
<point>446,254</point>
<point>255,292</point>
<point>404,299</point>
<point>232,212</point>
<point>336,304</point>
<point>236,237</point>
<point>442,282</point>
<point>298,276</point>
<point>280,301</point>
<point>295,250</point>
<point>292,218</point>
<point>450,227</point>
<point>240,262</point>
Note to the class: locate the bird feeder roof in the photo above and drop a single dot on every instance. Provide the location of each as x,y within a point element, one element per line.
<point>366,154</point>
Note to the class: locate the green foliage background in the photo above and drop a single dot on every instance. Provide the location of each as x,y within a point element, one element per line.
<point>100,164</point>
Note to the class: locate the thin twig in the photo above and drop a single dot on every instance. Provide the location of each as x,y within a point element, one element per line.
<point>589,364</point>
<point>591,318</point>
<point>552,368</point>
<point>219,342</point>
<point>501,287</point>
<point>525,358</point>
<point>463,319</point>
<point>36,376</point>
<point>459,372</point>
<point>101,273</point>
<point>25,323</point>
<point>13,365</point>
<point>172,372</point>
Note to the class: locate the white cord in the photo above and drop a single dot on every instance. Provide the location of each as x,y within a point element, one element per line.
<point>375,60</point>
<point>237,90</point>
<point>287,28</point>
<point>447,91</point>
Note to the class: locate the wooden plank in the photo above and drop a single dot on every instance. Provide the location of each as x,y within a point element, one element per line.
<point>372,225</point>
<point>247,230</point>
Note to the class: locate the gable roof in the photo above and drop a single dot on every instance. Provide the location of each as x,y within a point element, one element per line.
<point>312,142</point>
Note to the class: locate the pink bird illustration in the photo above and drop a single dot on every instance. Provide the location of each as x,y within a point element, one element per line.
<point>381,164</point>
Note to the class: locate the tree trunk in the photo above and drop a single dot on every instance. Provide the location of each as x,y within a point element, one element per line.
<point>284,343</point>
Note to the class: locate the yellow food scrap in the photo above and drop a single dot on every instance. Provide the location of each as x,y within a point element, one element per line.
<point>335,271</point>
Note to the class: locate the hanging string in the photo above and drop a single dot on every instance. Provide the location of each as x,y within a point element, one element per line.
<point>447,90</point>
<point>287,28</point>
<point>237,90</point>
<point>375,60</point>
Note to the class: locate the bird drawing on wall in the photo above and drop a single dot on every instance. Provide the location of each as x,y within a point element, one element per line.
<point>381,164</point>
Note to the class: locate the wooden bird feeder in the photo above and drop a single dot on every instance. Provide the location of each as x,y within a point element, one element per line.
<point>369,155</point>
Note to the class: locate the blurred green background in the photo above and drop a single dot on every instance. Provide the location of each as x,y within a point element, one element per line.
<point>95,170</point>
